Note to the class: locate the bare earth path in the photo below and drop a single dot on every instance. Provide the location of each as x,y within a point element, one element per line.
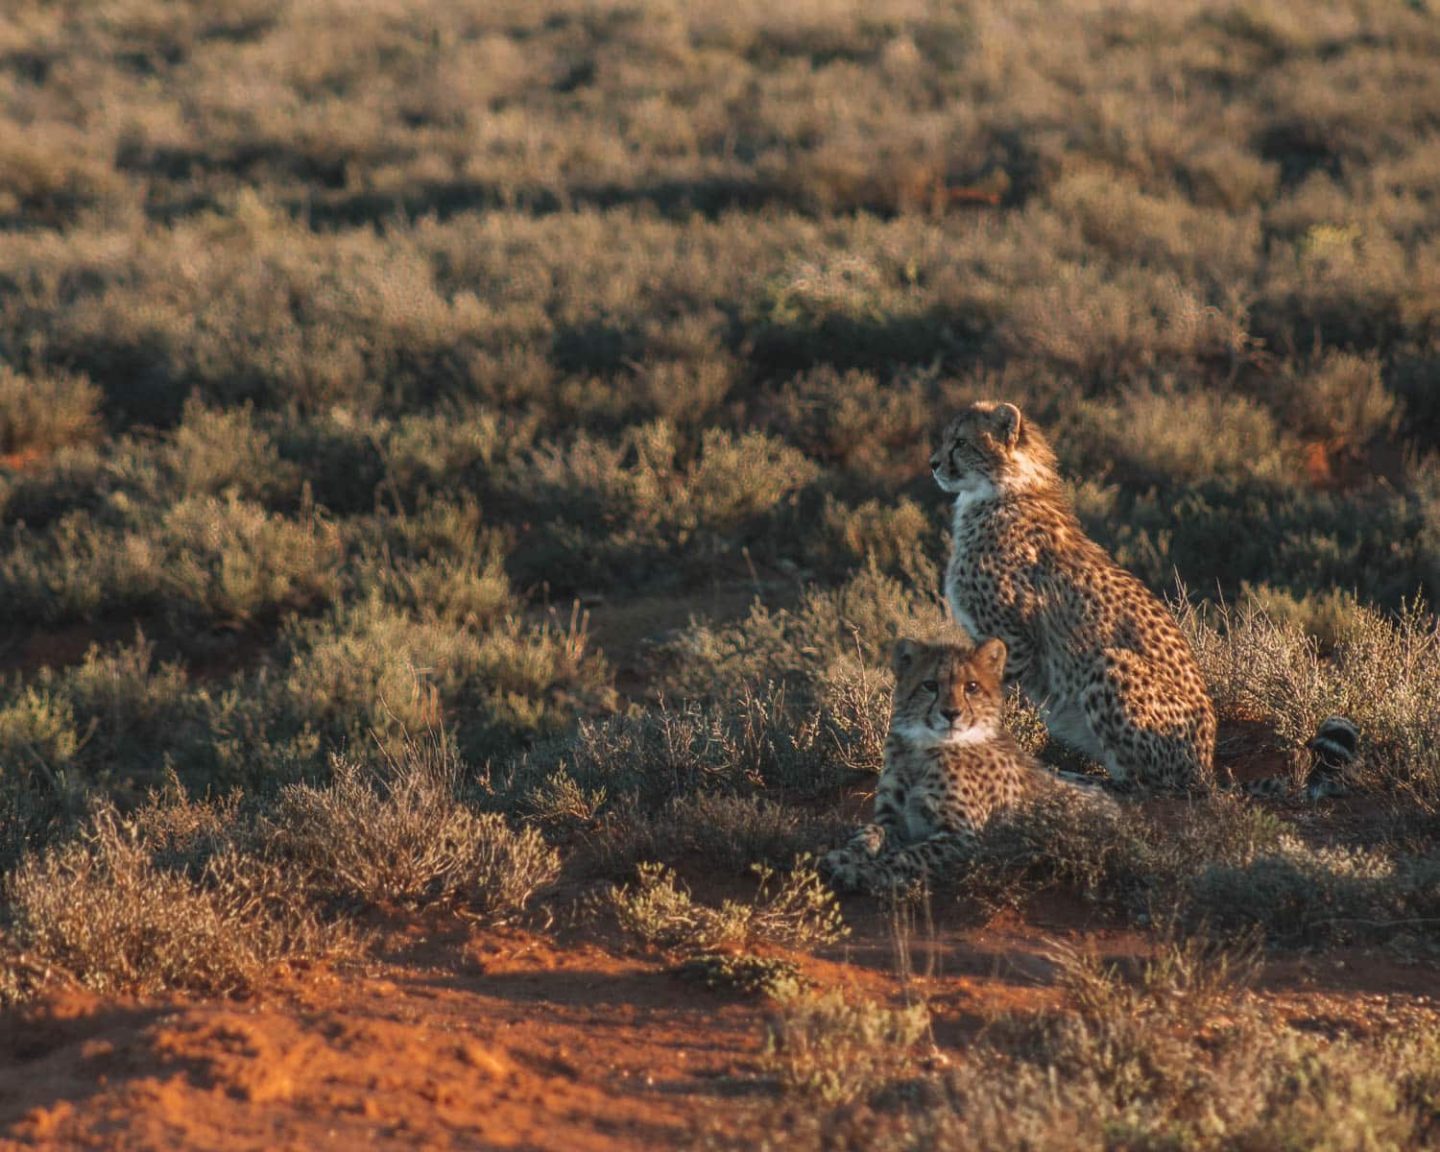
<point>536,1040</point>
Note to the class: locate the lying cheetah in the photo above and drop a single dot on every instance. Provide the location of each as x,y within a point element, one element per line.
<point>949,766</point>
<point>1089,644</point>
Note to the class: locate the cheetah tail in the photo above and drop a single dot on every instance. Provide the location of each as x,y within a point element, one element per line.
<point>1333,751</point>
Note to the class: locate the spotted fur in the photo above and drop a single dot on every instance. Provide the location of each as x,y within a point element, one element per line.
<point>950,766</point>
<point>1089,644</point>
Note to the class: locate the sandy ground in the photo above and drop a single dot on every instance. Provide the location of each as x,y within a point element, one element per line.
<point>557,1035</point>
<point>540,1039</point>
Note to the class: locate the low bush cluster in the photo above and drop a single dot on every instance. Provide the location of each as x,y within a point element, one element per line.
<point>1178,1054</point>
<point>462,373</point>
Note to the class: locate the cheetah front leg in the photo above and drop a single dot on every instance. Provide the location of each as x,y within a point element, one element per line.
<point>1150,730</point>
<point>848,866</point>
<point>932,860</point>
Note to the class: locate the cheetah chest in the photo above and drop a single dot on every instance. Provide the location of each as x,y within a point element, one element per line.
<point>920,817</point>
<point>938,801</point>
<point>979,576</point>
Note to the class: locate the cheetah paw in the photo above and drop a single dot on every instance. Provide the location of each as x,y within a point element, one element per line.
<point>842,869</point>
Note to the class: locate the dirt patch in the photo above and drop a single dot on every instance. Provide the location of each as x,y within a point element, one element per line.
<point>516,1039</point>
<point>512,1045</point>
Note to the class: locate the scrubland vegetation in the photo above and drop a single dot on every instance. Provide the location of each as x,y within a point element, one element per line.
<point>366,370</point>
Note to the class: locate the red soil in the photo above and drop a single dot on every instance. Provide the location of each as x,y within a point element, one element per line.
<point>557,1039</point>
<point>510,1043</point>
<point>23,460</point>
<point>537,1040</point>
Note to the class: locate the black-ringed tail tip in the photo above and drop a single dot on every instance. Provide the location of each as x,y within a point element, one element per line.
<point>1333,749</point>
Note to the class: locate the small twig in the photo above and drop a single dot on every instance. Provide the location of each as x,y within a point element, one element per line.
<point>46,770</point>
<point>1379,923</point>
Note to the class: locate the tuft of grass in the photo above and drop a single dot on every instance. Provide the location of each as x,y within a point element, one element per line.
<point>833,1046</point>
<point>797,912</point>
<point>102,909</point>
<point>404,836</point>
<point>741,973</point>
<point>41,413</point>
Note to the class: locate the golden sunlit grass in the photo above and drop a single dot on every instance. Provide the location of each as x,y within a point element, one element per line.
<point>367,371</point>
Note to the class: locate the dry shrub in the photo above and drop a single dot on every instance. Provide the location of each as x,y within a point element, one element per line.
<point>1101,852</point>
<point>619,505</point>
<point>218,450</point>
<point>1130,225</point>
<point>894,538</point>
<point>1383,673</point>
<point>1176,1055</point>
<point>1139,1039</point>
<point>740,972</point>
<point>858,620</point>
<point>1343,398</point>
<point>856,423</point>
<point>702,830</point>
<point>46,411</point>
<point>404,836</point>
<point>1172,437</point>
<point>218,561</point>
<point>1099,326</point>
<point>55,174</point>
<point>370,668</point>
<point>833,1046</point>
<point>1299,894</point>
<point>228,560</point>
<point>1224,863</point>
<point>99,909</point>
<point>1181,1057</point>
<point>776,738</point>
<point>799,912</point>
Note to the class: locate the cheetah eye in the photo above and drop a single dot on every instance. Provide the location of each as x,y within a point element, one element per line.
<point>972,687</point>
<point>931,686</point>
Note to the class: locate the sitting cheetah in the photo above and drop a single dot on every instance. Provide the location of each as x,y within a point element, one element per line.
<point>1089,644</point>
<point>949,766</point>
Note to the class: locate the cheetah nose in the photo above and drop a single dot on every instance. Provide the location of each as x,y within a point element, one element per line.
<point>934,462</point>
<point>950,714</point>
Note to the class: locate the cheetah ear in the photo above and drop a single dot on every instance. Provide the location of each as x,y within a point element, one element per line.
<point>905,651</point>
<point>991,656</point>
<point>1008,424</point>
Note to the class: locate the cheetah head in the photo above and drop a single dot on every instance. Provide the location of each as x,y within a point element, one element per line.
<point>990,446</point>
<point>948,693</point>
